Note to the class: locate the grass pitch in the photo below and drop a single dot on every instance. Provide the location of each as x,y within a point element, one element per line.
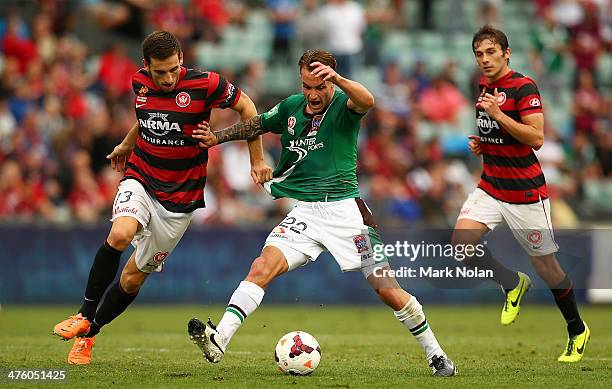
<point>148,347</point>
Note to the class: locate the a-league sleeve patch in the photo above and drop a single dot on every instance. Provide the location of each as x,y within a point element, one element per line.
<point>271,112</point>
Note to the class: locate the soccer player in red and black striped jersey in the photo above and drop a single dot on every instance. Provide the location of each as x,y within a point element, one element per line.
<point>512,187</point>
<point>165,173</point>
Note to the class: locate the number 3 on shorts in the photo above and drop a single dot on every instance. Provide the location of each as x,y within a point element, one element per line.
<point>122,197</point>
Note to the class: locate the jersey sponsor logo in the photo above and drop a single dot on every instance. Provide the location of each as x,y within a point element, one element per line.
<point>279,236</point>
<point>278,230</point>
<point>501,98</point>
<point>157,126</point>
<point>465,211</point>
<point>485,123</point>
<point>271,112</point>
<point>303,146</point>
<point>535,102</point>
<point>160,256</point>
<point>300,151</point>
<point>143,90</point>
<point>162,141</point>
<point>124,210</point>
<point>183,99</point>
<point>488,139</point>
<point>291,124</point>
<point>361,243</point>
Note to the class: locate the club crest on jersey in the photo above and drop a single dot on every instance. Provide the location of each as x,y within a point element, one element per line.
<point>535,102</point>
<point>316,124</point>
<point>291,124</point>
<point>183,99</point>
<point>361,243</point>
<point>143,90</point>
<point>501,98</point>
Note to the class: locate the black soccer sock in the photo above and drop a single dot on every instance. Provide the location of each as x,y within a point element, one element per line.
<point>566,301</point>
<point>102,273</point>
<point>115,302</point>
<point>507,278</point>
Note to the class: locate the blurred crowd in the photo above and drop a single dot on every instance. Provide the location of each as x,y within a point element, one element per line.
<point>66,101</point>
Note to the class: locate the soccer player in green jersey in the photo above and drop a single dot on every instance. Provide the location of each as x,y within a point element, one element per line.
<point>317,167</point>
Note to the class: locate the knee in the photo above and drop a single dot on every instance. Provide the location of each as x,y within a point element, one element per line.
<point>385,294</point>
<point>456,238</point>
<point>120,238</point>
<point>464,237</point>
<point>131,283</point>
<point>546,266</point>
<point>539,266</point>
<point>395,298</point>
<point>260,273</point>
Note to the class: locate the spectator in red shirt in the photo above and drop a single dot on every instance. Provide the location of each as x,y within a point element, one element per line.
<point>587,104</point>
<point>587,40</point>
<point>15,45</point>
<point>116,70</point>
<point>172,16</point>
<point>21,199</point>
<point>442,102</point>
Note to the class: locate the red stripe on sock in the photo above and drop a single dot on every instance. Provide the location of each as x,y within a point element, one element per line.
<point>565,292</point>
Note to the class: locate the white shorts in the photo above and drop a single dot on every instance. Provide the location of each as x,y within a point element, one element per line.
<point>530,223</point>
<point>160,229</point>
<point>336,226</point>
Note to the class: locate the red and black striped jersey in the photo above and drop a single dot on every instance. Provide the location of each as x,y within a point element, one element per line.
<point>166,159</point>
<point>511,173</point>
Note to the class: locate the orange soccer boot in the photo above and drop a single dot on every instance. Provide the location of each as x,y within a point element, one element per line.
<point>80,353</point>
<point>75,325</point>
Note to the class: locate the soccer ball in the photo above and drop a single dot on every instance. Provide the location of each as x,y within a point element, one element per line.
<point>297,353</point>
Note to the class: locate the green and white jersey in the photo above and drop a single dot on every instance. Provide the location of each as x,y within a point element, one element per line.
<point>318,161</point>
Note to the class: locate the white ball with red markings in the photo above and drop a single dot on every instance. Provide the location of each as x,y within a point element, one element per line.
<point>297,353</point>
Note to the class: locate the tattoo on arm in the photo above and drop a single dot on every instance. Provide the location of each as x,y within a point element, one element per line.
<point>243,130</point>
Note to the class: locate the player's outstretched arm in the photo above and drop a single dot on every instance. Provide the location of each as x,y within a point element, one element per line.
<point>260,171</point>
<point>360,98</point>
<point>239,131</point>
<point>122,151</point>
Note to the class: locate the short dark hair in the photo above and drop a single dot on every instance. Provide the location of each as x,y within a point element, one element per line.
<point>310,56</point>
<point>491,33</point>
<point>160,45</point>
